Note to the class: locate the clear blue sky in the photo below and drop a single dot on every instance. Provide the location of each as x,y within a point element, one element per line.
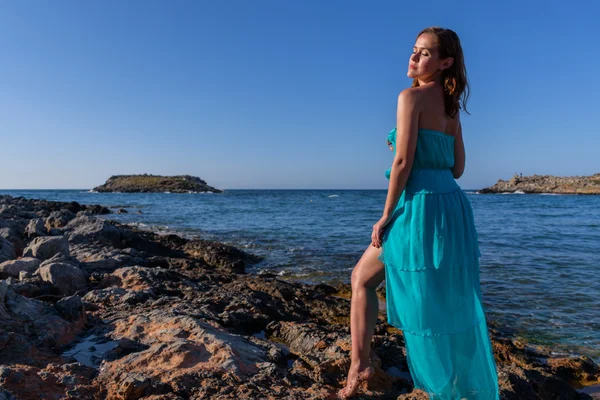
<point>283,94</point>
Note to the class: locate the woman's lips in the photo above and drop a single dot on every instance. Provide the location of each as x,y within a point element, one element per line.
<point>412,67</point>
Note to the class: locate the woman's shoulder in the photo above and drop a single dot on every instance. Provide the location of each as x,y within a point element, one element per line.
<point>415,95</point>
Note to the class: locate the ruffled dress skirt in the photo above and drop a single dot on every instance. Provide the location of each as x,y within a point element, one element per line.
<point>431,255</point>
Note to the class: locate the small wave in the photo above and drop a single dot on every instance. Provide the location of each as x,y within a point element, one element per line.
<point>518,191</point>
<point>89,191</point>
<point>136,224</point>
<point>294,249</point>
<point>168,192</point>
<point>550,194</point>
<point>333,195</point>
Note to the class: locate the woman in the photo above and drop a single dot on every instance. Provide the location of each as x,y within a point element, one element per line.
<point>425,244</point>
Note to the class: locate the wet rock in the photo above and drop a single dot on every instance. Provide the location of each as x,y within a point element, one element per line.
<point>220,256</point>
<point>98,210</point>
<point>15,267</point>
<point>45,247</point>
<point>35,228</point>
<point>122,211</point>
<point>64,276</point>
<point>30,328</point>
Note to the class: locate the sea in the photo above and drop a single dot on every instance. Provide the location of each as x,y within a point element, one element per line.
<point>540,263</point>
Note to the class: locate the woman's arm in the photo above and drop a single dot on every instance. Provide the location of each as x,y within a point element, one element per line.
<point>459,154</point>
<point>407,121</point>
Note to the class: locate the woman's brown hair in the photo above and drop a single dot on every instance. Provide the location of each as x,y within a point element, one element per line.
<point>454,79</point>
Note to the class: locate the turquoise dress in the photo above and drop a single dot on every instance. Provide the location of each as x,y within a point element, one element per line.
<point>431,255</point>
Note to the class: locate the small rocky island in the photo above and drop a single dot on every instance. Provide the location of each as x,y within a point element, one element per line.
<point>155,183</point>
<point>547,184</point>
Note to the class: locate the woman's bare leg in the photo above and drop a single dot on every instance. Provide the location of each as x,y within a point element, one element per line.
<point>368,273</point>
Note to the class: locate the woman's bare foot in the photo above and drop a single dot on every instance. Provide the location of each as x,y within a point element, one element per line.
<point>355,377</point>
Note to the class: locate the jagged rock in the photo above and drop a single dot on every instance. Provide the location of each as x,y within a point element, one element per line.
<point>35,228</point>
<point>58,219</point>
<point>15,267</point>
<point>45,247</point>
<point>155,183</point>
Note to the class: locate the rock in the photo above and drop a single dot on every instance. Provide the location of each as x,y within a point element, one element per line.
<point>138,278</point>
<point>7,250</point>
<point>53,382</point>
<point>71,308</point>
<point>122,211</point>
<point>15,267</point>
<point>87,230</point>
<point>15,238</point>
<point>105,297</point>
<point>181,350</point>
<point>220,256</point>
<point>45,247</point>
<point>104,258</point>
<point>35,228</point>
<point>155,183</point>
<point>58,219</point>
<point>98,210</point>
<point>64,276</point>
<point>547,184</point>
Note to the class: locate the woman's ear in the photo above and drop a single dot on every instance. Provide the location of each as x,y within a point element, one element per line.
<point>447,63</point>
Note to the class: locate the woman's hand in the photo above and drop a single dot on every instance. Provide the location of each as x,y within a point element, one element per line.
<point>378,230</point>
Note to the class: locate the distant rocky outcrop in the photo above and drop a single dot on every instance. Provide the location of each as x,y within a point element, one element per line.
<point>155,183</point>
<point>547,184</point>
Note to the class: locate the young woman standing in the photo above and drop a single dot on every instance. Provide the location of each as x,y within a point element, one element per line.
<point>425,245</point>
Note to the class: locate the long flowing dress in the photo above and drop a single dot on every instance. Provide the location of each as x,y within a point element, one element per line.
<point>431,254</point>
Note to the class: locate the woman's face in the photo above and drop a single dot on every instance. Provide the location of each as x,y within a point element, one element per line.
<point>425,61</point>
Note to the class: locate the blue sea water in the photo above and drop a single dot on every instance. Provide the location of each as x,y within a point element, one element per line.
<point>540,264</point>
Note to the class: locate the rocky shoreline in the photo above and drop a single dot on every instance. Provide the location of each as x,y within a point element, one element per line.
<point>146,183</point>
<point>547,184</point>
<point>92,309</point>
